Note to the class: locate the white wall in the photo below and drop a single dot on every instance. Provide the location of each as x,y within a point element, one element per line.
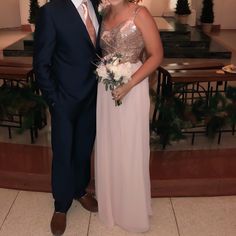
<point>161,7</point>
<point>24,11</point>
<point>224,11</point>
<point>172,3</point>
<point>14,13</point>
<point>156,7</point>
<point>9,14</point>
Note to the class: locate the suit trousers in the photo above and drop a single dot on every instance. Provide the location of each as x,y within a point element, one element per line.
<point>73,133</point>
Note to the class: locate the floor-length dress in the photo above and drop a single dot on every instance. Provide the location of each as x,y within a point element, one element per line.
<point>122,141</point>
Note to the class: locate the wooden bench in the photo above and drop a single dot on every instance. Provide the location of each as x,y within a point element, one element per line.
<point>16,76</point>
<point>206,82</point>
<point>16,62</point>
<point>19,74</point>
<point>207,75</point>
<point>194,81</point>
<point>193,66</point>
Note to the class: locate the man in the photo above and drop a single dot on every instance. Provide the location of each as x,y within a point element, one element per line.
<point>65,52</point>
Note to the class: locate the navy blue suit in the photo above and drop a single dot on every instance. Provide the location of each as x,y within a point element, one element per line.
<point>64,60</point>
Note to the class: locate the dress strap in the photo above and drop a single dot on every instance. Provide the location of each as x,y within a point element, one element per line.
<point>136,10</point>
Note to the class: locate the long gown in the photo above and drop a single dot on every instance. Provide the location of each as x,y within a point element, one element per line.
<point>122,142</point>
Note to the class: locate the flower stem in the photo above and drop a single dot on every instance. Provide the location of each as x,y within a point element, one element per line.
<point>118,103</point>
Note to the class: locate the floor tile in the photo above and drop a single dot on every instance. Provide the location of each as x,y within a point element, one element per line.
<point>44,135</point>
<point>96,228</point>
<point>162,222</point>
<point>162,24</point>
<point>31,215</point>
<point>213,216</point>
<point>77,221</point>
<point>7,198</point>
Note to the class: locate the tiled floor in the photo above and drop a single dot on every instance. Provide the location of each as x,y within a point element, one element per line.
<point>29,213</point>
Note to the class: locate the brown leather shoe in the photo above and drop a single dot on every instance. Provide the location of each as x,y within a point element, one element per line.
<point>58,223</point>
<point>89,202</point>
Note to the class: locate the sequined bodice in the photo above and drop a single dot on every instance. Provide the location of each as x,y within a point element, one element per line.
<point>125,39</point>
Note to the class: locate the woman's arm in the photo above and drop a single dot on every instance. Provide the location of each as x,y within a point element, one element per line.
<point>154,52</point>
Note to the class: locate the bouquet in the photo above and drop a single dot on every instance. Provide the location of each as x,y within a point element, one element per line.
<point>113,73</point>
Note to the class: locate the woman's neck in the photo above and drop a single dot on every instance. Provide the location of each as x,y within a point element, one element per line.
<point>116,9</point>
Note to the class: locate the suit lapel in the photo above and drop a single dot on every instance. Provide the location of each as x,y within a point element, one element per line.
<point>75,12</point>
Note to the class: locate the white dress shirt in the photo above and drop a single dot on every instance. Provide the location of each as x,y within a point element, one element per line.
<point>78,5</point>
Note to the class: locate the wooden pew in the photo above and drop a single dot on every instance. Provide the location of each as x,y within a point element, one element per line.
<point>16,62</point>
<point>194,80</point>
<point>193,66</point>
<point>204,75</point>
<point>19,73</point>
<point>16,76</point>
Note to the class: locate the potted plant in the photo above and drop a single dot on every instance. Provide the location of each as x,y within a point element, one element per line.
<point>33,11</point>
<point>182,11</point>
<point>207,15</point>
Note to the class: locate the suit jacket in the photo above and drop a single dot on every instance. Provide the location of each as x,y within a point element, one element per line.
<point>64,54</point>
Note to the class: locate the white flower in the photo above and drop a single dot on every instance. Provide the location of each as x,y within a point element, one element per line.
<point>125,68</point>
<point>102,71</point>
<point>113,73</point>
<point>115,70</point>
<point>102,6</point>
<point>116,61</point>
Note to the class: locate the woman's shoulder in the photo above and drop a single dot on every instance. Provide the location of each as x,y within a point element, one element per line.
<point>141,12</point>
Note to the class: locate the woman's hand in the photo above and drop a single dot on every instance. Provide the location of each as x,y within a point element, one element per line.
<point>120,92</point>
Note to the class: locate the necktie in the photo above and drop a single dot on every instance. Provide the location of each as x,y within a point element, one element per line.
<point>89,23</point>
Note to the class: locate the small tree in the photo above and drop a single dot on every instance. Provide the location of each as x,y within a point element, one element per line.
<point>182,7</point>
<point>207,15</point>
<point>33,11</point>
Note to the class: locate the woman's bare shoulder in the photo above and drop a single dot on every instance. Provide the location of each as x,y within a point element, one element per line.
<point>143,12</point>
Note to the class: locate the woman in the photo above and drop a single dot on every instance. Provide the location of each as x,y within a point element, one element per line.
<point>122,146</point>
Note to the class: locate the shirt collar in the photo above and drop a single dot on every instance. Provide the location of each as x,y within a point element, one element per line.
<point>77,3</point>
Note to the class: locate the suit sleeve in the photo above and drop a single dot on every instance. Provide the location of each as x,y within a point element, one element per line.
<point>44,46</point>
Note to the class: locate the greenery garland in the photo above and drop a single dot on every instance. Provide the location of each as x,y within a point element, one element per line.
<point>16,101</point>
<point>182,7</point>
<point>207,14</point>
<point>175,116</point>
<point>33,11</point>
